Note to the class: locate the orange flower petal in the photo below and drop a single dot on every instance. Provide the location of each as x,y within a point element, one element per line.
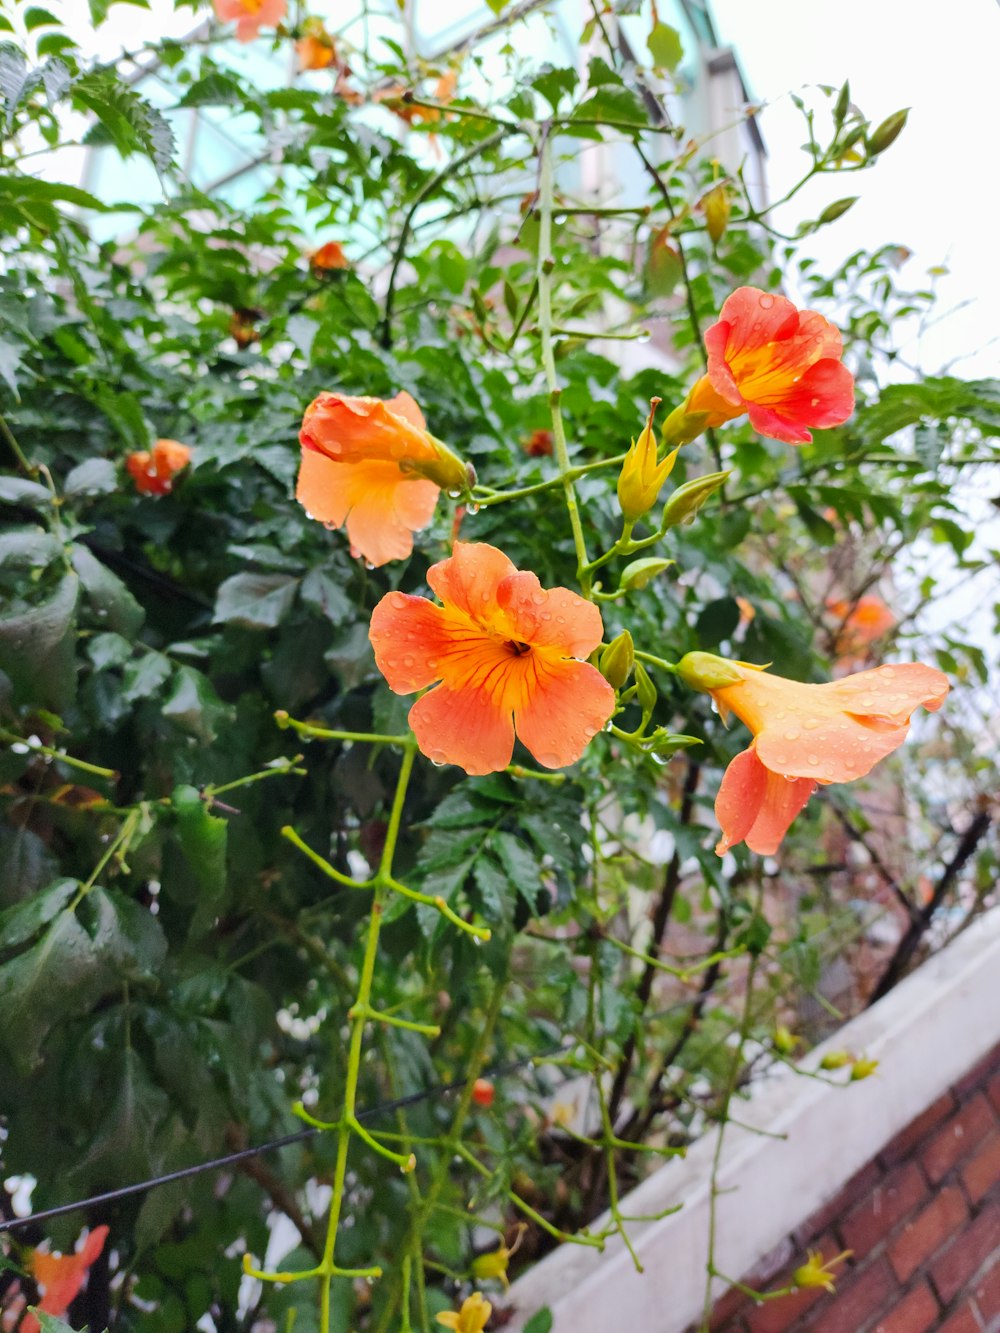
<point>569,705</point>
<point>559,618</point>
<point>355,429</point>
<point>405,406</point>
<point>824,396</point>
<point>410,638</point>
<point>464,726</point>
<point>837,731</point>
<point>757,806</point>
<point>381,506</point>
<point>470,577</point>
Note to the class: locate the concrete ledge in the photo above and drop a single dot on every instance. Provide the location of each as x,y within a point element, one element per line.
<point>925,1034</point>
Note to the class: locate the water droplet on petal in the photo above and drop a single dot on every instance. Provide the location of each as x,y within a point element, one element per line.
<point>369,564</point>
<point>538,597</point>
<point>792,734</point>
<point>812,759</point>
<point>766,302</point>
<point>397,600</point>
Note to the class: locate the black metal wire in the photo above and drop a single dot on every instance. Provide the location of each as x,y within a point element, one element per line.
<point>217,1163</point>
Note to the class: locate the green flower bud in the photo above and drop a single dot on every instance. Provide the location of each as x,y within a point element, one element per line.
<point>640,572</point>
<point>689,498</point>
<point>705,671</point>
<point>888,132</point>
<point>645,690</point>
<point>681,427</point>
<point>617,660</point>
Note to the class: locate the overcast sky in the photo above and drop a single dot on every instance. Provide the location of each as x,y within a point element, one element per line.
<point>936,190</point>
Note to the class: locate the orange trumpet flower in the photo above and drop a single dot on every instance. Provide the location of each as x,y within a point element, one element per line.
<point>506,653</point>
<point>250,15</point>
<point>327,257</point>
<point>862,622</point>
<point>316,48</point>
<point>374,467</point>
<point>153,471</point>
<point>778,364</point>
<point>803,736</point>
<point>60,1276</point>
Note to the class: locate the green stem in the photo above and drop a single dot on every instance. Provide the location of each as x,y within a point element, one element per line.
<point>12,444</point>
<point>571,474</point>
<point>37,748</point>
<point>546,266</point>
<point>423,194</point>
<point>730,1091</point>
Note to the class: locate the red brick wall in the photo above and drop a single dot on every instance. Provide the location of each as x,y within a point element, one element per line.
<point>923,1222</point>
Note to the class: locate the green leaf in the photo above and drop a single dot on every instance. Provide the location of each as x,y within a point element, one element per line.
<point>665,47</point>
<point>203,839</point>
<point>127,1143</point>
<point>520,865</point>
<point>20,923</point>
<point>37,648</point>
<point>540,1322</point>
<point>59,975</point>
<point>215,89</point>
<point>326,594</point>
<point>130,122</point>
<point>494,887</point>
<point>128,938</point>
<point>255,601</point>
<point>143,679</point>
<point>48,1323</point>
<point>95,476</point>
<point>34,17</point>
<point>193,704</point>
<point>717,622</point>
<point>17,188</point>
<point>21,491</point>
<point>28,548</point>
<point>112,602</point>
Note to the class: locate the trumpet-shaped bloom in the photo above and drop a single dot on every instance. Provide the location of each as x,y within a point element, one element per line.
<point>471,1318</point>
<point>327,257</point>
<point>250,15</point>
<point>506,653</point>
<point>804,736</point>
<point>60,1276</point>
<point>153,471</point>
<point>778,364</point>
<point>862,623</point>
<point>316,48</point>
<point>369,464</point>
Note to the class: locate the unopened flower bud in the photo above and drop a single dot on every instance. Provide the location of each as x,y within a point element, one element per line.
<point>482,1092</point>
<point>641,476</point>
<point>682,426</point>
<point>836,1060</point>
<point>689,498</point>
<point>863,1068</point>
<point>645,689</point>
<point>717,207</point>
<point>784,1041</point>
<point>445,469</point>
<point>665,743</point>
<point>705,671</point>
<point>639,572</point>
<point>886,133</point>
<point>617,660</point>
